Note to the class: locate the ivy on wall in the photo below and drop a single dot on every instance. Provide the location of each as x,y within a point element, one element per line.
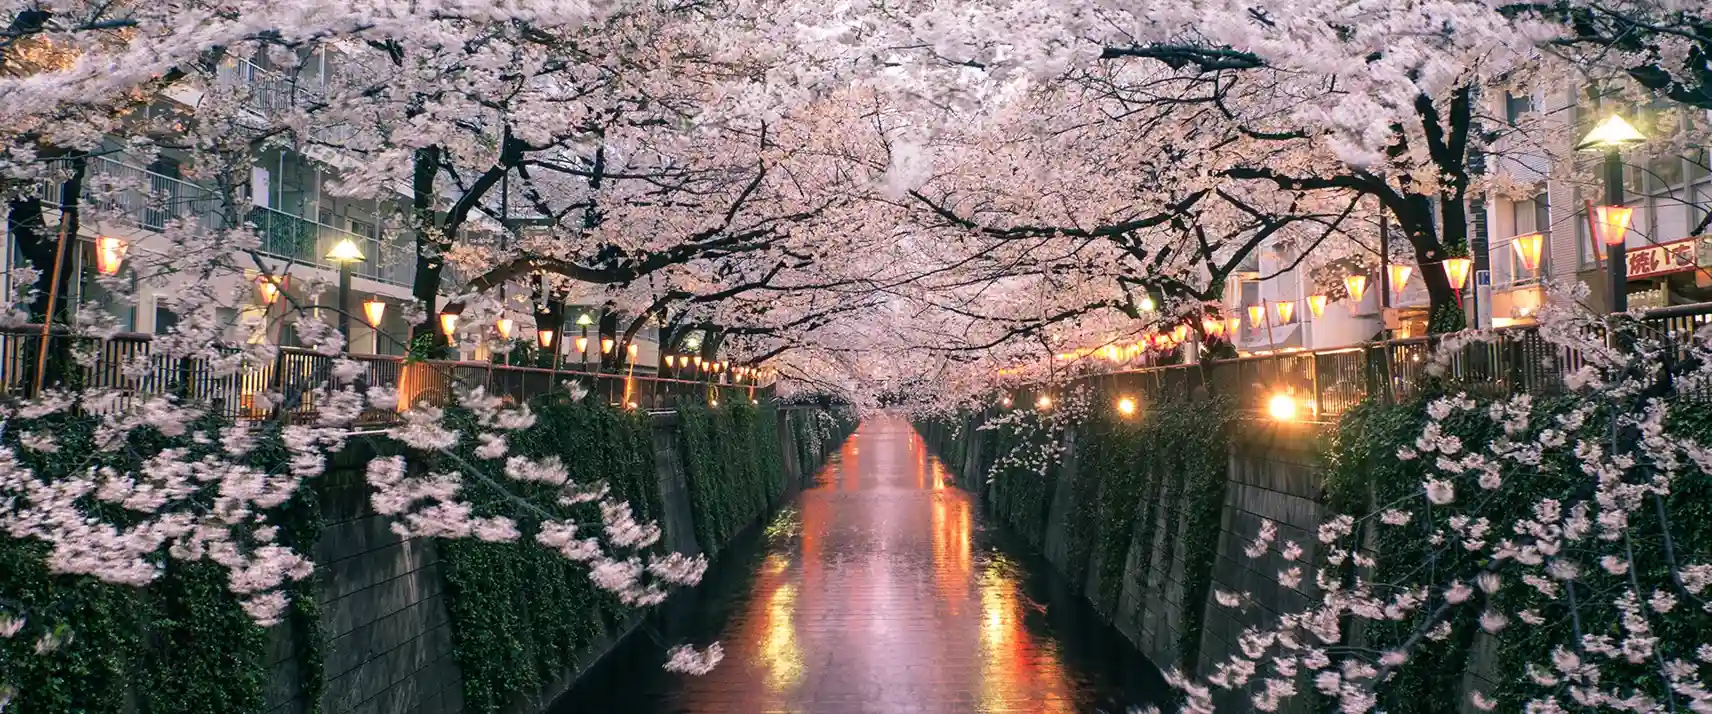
<point>182,644</point>
<point>732,467</point>
<point>1363,471</point>
<point>523,617</point>
<point>1165,467</point>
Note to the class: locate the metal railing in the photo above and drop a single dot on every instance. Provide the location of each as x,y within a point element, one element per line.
<point>1324,384</point>
<point>125,364</point>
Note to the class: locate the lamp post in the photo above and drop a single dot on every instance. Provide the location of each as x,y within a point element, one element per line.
<point>583,321</point>
<point>1611,137</point>
<point>346,254</point>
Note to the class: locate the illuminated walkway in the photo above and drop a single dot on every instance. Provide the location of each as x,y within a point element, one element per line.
<point>879,592</point>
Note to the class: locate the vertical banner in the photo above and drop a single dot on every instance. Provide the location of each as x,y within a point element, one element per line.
<point>1483,299</point>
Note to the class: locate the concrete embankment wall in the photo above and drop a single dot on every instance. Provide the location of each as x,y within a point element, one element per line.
<point>391,637</point>
<point>1147,520</point>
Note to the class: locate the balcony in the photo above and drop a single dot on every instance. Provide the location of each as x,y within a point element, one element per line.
<point>299,239</point>
<point>151,201</point>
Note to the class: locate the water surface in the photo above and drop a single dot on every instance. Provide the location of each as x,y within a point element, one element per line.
<point>879,590</point>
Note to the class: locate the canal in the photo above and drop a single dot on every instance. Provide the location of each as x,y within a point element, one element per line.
<point>879,590</point>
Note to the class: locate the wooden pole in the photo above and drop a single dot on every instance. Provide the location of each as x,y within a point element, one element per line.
<point>53,295</point>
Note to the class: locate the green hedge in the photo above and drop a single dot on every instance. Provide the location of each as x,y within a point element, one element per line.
<point>181,644</point>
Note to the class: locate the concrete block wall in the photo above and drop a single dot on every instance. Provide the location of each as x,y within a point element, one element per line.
<point>1274,475</point>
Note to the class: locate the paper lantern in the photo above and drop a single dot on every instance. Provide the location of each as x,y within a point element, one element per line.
<point>1356,285</point>
<point>374,309</point>
<point>110,254</point>
<point>1528,249</point>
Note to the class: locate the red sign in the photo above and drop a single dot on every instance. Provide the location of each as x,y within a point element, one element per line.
<point>1660,259</point>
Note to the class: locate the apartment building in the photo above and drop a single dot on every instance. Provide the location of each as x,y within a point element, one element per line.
<point>1530,242</point>
<point>298,220</point>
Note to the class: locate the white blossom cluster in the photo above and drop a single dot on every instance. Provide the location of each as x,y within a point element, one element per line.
<point>1571,556</point>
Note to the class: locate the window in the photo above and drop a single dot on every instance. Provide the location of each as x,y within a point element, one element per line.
<point>1515,219</point>
<point>165,319</point>
<point>1515,105</point>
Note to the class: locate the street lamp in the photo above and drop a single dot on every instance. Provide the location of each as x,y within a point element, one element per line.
<point>109,254</point>
<point>545,338</point>
<point>1286,310</point>
<point>504,326</point>
<point>346,254</point>
<point>1611,137</point>
<point>1126,406</point>
<point>1281,407</point>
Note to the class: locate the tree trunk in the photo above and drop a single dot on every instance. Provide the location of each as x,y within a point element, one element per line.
<point>430,252</point>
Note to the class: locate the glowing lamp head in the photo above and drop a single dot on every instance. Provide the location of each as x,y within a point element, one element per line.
<point>110,254</point>
<point>1286,310</point>
<point>1356,285</point>
<point>582,345</point>
<point>1179,333</point>
<point>1213,326</point>
<point>584,320</point>
<point>1613,133</point>
<point>606,345</point>
<point>1147,304</point>
<point>545,337</point>
<point>633,350</point>
<point>1400,277</point>
<point>1281,407</point>
<point>345,251</point>
<point>1456,271</point>
<point>504,326</point>
<point>1233,325</point>
<point>374,309</point>
<point>1612,223</point>
<point>1256,315</point>
<point>671,360</point>
<point>1043,403</point>
<point>448,323</point>
<point>1127,406</point>
<point>1528,249</point>
<point>713,402</point>
<point>1317,305</point>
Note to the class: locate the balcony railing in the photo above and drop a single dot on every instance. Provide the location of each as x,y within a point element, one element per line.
<point>125,363</point>
<point>300,239</point>
<point>151,201</point>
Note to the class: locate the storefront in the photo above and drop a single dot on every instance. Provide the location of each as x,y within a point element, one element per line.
<point>1670,273</point>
